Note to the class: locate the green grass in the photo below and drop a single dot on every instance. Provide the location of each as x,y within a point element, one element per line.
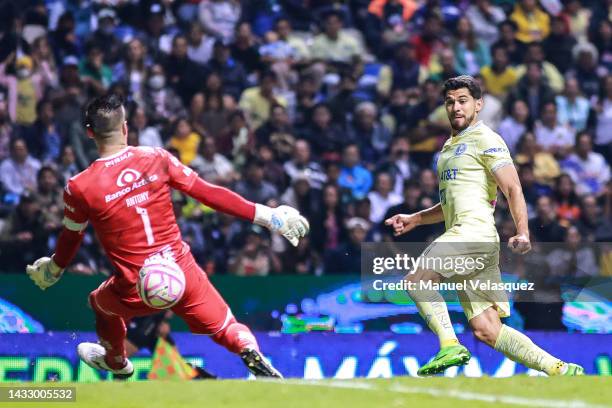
<point>397,392</point>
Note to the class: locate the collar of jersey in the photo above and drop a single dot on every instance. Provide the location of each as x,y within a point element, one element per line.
<point>119,153</point>
<point>464,131</point>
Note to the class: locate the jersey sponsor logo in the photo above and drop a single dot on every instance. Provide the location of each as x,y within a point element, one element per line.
<point>136,185</point>
<point>127,176</point>
<point>112,162</point>
<point>137,199</point>
<point>460,149</point>
<point>449,174</point>
<point>495,150</point>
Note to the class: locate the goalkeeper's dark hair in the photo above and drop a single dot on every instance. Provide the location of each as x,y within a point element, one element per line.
<point>463,81</point>
<point>105,115</point>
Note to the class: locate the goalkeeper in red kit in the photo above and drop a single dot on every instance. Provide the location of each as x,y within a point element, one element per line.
<point>125,195</point>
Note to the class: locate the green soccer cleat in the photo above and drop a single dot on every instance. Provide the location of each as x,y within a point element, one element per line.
<point>574,370</point>
<point>447,357</point>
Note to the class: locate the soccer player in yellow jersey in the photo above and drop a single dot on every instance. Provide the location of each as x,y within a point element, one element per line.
<point>473,162</point>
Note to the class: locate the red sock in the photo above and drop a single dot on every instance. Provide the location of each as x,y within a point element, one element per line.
<point>111,333</point>
<point>236,337</point>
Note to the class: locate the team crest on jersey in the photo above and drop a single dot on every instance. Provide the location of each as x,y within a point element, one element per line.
<point>127,176</point>
<point>460,149</point>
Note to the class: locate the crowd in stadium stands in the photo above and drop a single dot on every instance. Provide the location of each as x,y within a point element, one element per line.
<point>332,107</point>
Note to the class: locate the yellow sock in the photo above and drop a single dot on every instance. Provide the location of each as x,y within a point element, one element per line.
<point>433,310</point>
<point>518,347</point>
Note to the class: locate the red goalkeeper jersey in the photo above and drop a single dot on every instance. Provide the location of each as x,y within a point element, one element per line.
<point>126,197</point>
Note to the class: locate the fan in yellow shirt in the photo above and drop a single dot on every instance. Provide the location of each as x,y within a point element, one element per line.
<point>185,140</point>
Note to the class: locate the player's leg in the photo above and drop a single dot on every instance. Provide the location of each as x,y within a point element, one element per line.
<point>205,312</point>
<point>488,328</point>
<point>432,308</point>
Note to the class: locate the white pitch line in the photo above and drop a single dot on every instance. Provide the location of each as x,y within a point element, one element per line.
<point>455,394</point>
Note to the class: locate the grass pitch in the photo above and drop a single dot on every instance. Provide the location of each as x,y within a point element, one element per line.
<point>578,392</point>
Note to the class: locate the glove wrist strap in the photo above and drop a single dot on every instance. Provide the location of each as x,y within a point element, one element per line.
<point>263,215</point>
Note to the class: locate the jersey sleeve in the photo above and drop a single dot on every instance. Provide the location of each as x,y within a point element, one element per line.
<point>493,152</point>
<point>180,176</point>
<point>76,212</point>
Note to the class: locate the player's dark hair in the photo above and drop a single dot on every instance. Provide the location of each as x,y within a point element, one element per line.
<point>105,115</point>
<point>463,81</point>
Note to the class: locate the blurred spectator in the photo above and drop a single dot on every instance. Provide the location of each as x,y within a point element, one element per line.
<point>515,125</point>
<point>301,259</point>
<point>200,45</point>
<point>222,237</point>
<point>485,18</point>
<point>23,237</point>
<point>534,53</point>
<point>492,109</point>
<point>257,102</point>
<point>568,206</point>
<point>507,40</point>
<point>238,141</point>
<point>428,180</point>
<point>68,166</point>
<point>301,51</point>
<point>448,66</point>
<point>545,167</point>
<point>18,171</point>
<point>49,196</point>
<point>43,137</point>
<point>232,73</point>
<point>602,39</point>
<point>532,89</point>
<point>253,187</point>
<point>216,108</point>
<point>6,128</point>
<point>544,227</point>
<point>27,91</point>
<point>64,40</point>
<point>586,69</point>
<point>162,104</point>
<point>45,70</point>
<point>132,70</point>
<point>573,259</point>
<point>185,140</point>
<point>147,135</point>
<point>532,188</point>
<point>558,45</point>
<point>104,37</point>
<point>323,135</point>
<point>255,258</point>
<point>301,195</point>
<point>301,163</point>
<point>212,166</point>
<point>532,22</point>
<point>573,108</point>
<point>94,73</point>
<point>353,175</point>
<point>499,77</point>
<point>471,53</point>
<point>406,71</point>
<point>273,169</point>
<point>429,41</point>
<point>382,197</point>
<point>346,257</point>
<point>328,229</point>
<point>276,131</point>
<point>184,75</point>
<point>588,169</point>
<point>552,135</point>
<point>245,48</point>
<point>369,133</point>
<point>603,128</point>
<point>219,18</point>
<point>334,43</point>
<point>398,164</point>
<point>593,225</point>
<point>576,19</point>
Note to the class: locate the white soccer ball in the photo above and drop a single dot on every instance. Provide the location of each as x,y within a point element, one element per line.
<point>161,284</point>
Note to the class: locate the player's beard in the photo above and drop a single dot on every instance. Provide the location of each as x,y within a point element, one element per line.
<point>465,125</point>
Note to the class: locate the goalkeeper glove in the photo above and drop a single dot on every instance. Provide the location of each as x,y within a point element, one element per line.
<point>45,272</point>
<point>285,220</point>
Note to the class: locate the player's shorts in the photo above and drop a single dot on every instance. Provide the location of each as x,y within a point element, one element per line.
<point>473,264</point>
<point>202,307</point>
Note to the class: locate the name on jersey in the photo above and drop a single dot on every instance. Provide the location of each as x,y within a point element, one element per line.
<point>137,199</point>
<point>112,162</point>
<point>136,185</point>
<point>449,174</point>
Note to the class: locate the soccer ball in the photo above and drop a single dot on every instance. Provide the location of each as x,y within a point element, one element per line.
<point>161,284</point>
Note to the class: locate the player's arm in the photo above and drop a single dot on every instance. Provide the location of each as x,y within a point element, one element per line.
<point>508,182</point>
<point>402,223</point>
<point>46,271</point>
<point>285,220</point>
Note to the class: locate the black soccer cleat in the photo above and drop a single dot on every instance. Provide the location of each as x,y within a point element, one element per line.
<point>258,365</point>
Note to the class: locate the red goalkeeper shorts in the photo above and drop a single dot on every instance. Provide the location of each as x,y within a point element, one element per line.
<point>202,307</point>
